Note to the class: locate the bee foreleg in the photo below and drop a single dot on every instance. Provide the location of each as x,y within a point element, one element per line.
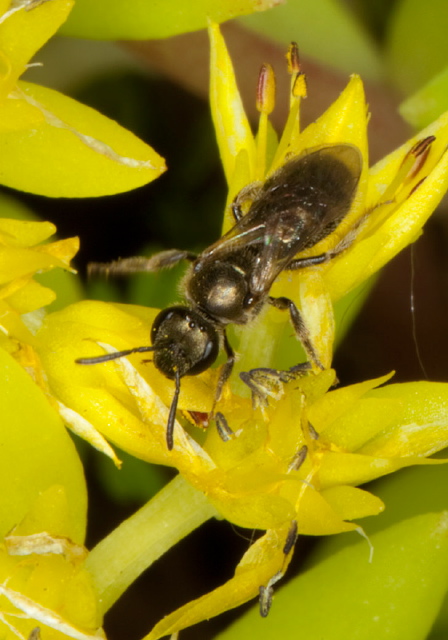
<point>226,369</point>
<point>139,264</point>
<point>299,327</point>
<point>222,425</point>
<point>249,192</point>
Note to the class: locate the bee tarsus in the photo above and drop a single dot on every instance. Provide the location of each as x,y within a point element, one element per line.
<point>264,382</point>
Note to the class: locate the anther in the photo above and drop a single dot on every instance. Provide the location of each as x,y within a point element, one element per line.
<point>266,89</point>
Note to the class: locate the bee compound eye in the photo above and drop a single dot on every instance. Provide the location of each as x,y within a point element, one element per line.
<point>205,347</point>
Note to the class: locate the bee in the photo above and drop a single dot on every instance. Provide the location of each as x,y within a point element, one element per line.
<point>229,282</point>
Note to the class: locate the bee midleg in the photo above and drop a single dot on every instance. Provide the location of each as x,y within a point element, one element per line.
<point>302,263</point>
<point>345,243</point>
<point>299,326</point>
<point>139,264</point>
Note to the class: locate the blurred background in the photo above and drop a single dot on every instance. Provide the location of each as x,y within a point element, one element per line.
<point>158,90</point>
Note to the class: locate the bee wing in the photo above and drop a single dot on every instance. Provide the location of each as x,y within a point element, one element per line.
<point>298,205</point>
<point>248,231</point>
<point>279,248</point>
<point>302,203</point>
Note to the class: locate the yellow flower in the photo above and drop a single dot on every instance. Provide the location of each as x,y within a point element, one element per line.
<point>22,256</point>
<point>292,467</point>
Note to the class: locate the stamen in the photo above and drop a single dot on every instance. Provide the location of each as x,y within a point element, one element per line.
<point>410,167</point>
<point>266,89</point>
<point>298,459</point>
<point>298,91</point>
<point>299,87</point>
<point>298,78</point>
<point>223,428</point>
<point>312,432</point>
<point>265,105</point>
<point>293,58</point>
<point>266,594</point>
<point>291,538</point>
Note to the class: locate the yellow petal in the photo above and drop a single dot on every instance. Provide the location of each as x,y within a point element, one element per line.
<point>263,560</point>
<point>345,121</point>
<point>421,428</point>
<point>352,503</point>
<point>28,298</point>
<point>332,405</point>
<point>24,233</point>
<point>232,127</point>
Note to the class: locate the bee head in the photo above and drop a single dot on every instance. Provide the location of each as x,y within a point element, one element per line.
<point>184,342</point>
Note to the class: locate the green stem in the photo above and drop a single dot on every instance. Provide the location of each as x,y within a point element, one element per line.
<point>141,539</point>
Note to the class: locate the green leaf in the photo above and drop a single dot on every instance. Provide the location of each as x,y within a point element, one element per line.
<point>428,103</point>
<point>36,456</point>
<point>325,30</point>
<point>417,46</point>
<point>140,19</point>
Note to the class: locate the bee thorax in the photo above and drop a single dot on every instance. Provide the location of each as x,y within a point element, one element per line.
<point>220,289</point>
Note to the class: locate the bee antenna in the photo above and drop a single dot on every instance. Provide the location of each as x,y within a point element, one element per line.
<point>173,409</point>
<point>113,356</point>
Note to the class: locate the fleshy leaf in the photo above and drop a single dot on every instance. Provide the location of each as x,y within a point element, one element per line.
<point>112,19</point>
<point>36,452</point>
<point>24,28</point>
<point>71,150</point>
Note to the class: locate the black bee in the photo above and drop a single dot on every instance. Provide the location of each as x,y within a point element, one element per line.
<point>229,282</point>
